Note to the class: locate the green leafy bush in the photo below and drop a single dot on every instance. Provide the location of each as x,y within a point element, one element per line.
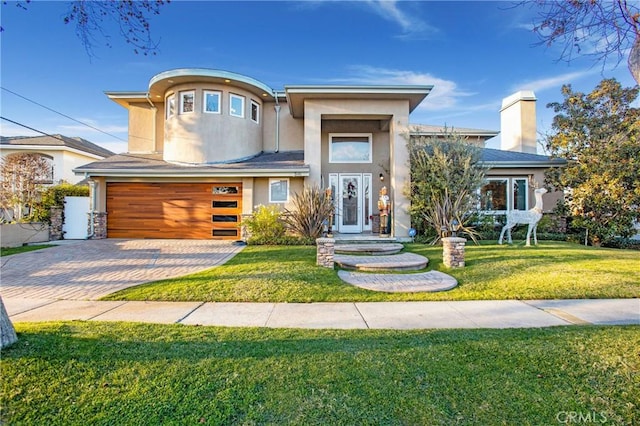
<point>54,197</point>
<point>265,225</point>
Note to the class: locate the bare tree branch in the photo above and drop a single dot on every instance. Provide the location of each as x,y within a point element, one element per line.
<point>603,29</point>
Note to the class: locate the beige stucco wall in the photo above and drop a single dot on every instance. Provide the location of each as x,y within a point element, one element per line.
<point>141,128</point>
<point>199,137</point>
<point>291,130</point>
<point>396,113</point>
<point>261,191</point>
<point>536,180</point>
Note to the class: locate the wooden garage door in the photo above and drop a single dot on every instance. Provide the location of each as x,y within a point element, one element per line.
<point>174,210</point>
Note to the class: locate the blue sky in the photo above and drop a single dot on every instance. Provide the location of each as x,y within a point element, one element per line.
<point>474,53</point>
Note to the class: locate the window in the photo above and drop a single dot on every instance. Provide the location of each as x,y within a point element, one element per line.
<point>350,148</point>
<point>493,195</point>
<point>171,105</point>
<point>502,194</point>
<point>255,112</point>
<point>211,102</point>
<point>225,190</point>
<point>520,192</point>
<point>278,190</point>
<point>236,105</point>
<point>187,101</point>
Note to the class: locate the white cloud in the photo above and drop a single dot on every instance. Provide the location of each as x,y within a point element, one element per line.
<point>444,95</point>
<point>552,82</point>
<point>410,24</point>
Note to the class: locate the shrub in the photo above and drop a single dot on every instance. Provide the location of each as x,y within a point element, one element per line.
<point>312,207</point>
<point>265,225</point>
<point>54,197</point>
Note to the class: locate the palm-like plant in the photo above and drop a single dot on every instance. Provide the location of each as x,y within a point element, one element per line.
<point>311,208</point>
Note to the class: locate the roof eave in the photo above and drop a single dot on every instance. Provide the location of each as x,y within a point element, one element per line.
<point>141,173</point>
<point>523,164</point>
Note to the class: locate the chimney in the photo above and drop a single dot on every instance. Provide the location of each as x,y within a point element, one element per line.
<point>518,122</point>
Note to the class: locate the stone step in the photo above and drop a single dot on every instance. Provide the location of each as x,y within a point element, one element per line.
<point>396,262</point>
<point>431,281</point>
<point>371,249</point>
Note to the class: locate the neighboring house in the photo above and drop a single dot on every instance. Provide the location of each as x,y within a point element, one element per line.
<point>207,146</point>
<point>63,153</point>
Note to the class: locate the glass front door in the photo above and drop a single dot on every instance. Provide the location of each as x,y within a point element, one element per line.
<point>350,203</point>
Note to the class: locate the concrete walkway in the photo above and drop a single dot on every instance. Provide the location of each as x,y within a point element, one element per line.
<point>374,315</point>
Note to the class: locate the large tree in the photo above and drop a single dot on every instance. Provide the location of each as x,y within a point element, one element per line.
<point>603,29</point>
<point>446,174</point>
<point>21,178</point>
<point>599,136</point>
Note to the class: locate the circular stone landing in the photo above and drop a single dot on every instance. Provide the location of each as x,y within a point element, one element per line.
<point>397,262</point>
<point>373,249</point>
<point>431,281</point>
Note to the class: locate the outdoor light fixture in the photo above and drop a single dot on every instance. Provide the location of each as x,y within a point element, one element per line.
<point>455,227</point>
<point>381,177</point>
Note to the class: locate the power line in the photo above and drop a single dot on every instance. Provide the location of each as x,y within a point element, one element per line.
<point>59,113</point>
<point>31,128</point>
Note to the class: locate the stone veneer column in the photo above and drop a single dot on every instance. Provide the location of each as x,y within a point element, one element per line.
<point>325,250</point>
<point>55,231</point>
<point>99,225</point>
<point>453,252</point>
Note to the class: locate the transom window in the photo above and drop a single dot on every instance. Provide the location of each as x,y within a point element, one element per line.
<point>236,105</point>
<point>211,102</point>
<point>350,148</point>
<point>187,101</point>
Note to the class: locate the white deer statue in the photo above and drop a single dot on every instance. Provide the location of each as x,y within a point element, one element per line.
<point>530,217</point>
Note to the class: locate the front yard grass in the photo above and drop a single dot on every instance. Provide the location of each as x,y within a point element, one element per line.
<point>80,373</point>
<point>552,270</point>
<point>7,251</point>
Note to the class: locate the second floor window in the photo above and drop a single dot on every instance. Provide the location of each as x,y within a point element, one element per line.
<point>187,101</point>
<point>211,102</point>
<point>171,105</point>
<point>255,112</point>
<point>236,106</point>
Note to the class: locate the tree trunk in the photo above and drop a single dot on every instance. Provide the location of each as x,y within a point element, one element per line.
<point>7,332</point>
<point>634,60</point>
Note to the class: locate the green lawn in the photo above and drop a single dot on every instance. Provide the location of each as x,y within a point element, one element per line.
<point>289,274</point>
<point>80,373</point>
<point>7,251</point>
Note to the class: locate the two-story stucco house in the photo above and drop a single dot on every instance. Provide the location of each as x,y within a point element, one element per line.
<point>207,146</point>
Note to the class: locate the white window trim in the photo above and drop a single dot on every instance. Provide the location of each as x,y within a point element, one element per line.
<point>204,101</point>
<point>182,95</point>
<point>271,200</point>
<point>369,136</point>
<point>170,112</point>
<point>526,192</point>
<point>257,105</point>
<point>510,199</point>
<point>241,98</point>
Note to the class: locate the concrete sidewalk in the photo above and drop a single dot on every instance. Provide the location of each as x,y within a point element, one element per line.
<point>374,315</point>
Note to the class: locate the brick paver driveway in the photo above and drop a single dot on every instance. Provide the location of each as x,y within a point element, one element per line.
<point>88,270</point>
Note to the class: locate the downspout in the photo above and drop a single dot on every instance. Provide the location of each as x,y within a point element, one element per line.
<point>155,117</point>
<point>277,132</point>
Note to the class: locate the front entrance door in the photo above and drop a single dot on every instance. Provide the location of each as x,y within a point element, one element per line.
<point>350,203</point>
